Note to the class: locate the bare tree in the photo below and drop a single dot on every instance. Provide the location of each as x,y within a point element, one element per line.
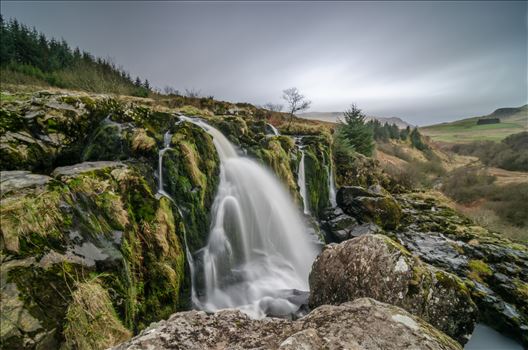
<point>193,93</point>
<point>295,101</point>
<point>169,90</point>
<point>273,107</point>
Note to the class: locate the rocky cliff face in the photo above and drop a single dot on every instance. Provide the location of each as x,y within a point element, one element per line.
<point>85,235</point>
<point>92,252</point>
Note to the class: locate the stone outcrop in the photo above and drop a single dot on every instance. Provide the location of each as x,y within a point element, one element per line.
<point>494,268</point>
<point>375,266</point>
<point>339,227</point>
<point>363,324</point>
<point>80,210</point>
<point>372,204</point>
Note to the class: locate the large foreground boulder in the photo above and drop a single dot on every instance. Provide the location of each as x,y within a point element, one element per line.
<point>362,324</point>
<point>375,266</point>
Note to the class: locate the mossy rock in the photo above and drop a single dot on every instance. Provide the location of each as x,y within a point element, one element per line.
<point>99,221</point>
<point>376,266</point>
<point>190,173</point>
<point>372,204</point>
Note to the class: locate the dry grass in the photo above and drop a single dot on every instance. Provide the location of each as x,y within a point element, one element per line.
<point>487,218</point>
<point>141,141</point>
<point>191,164</point>
<point>24,215</point>
<point>91,321</point>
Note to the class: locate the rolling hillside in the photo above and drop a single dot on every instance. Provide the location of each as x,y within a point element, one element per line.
<point>334,116</point>
<point>513,120</point>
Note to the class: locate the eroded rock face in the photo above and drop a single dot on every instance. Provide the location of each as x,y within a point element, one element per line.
<point>370,205</point>
<point>494,268</point>
<point>375,266</point>
<point>362,324</point>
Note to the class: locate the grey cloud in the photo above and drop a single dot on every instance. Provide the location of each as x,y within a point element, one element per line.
<point>422,61</point>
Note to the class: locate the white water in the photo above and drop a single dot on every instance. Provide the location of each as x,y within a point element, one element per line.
<point>166,146</point>
<point>331,186</point>
<point>258,247</point>
<point>301,182</point>
<point>273,129</point>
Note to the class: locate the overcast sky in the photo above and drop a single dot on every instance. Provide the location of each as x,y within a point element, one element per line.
<point>422,61</point>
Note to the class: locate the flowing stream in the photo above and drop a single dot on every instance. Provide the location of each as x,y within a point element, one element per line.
<point>259,253</point>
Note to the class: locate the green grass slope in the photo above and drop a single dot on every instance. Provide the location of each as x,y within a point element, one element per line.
<point>513,120</point>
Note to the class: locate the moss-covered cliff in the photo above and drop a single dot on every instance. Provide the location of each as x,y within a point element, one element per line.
<point>91,252</point>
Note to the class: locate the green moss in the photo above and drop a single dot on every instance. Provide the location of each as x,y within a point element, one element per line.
<point>273,155</point>
<point>316,180</point>
<point>10,121</point>
<point>395,245</point>
<point>193,111</point>
<point>108,143</point>
<point>190,172</point>
<point>478,270</point>
<point>450,281</point>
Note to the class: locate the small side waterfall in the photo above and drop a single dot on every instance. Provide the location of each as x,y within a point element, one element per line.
<point>331,186</point>
<point>301,182</point>
<point>166,146</point>
<point>273,129</point>
<point>259,253</point>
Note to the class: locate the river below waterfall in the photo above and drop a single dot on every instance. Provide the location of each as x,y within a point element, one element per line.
<point>486,338</point>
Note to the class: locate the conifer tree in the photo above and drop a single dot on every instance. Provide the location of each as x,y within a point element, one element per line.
<point>356,131</point>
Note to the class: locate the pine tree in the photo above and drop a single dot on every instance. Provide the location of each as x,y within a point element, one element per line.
<point>356,131</point>
<point>416,140</point>
<point>146,85</point>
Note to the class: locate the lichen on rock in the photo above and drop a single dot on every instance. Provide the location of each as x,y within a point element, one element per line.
<point>377,267</point>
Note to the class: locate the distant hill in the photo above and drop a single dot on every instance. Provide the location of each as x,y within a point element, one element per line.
<point>334,116</point>
<point>509,112</point>
<point>512,121</point>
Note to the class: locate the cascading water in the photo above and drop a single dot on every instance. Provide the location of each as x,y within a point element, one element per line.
<point>301,182</point>
<point>273,129</point>
<point>166,146</point>
<point>331,186</point>
<point>259,251</point>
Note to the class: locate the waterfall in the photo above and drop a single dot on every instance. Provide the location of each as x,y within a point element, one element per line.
<point>166,146</point>
<point>273,129</point>
<point>331,186</point>
<point>301,182</point>
<point>259,253</point>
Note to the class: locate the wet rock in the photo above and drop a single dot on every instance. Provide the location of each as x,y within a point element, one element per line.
<point>362,324</point>
<point>19,179</point>
<point>497,267</point>
<point>436,249</point>
<point>374,266</point>
<point>72,170</point>
<point>339,226</point>
<point>370,205</point>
